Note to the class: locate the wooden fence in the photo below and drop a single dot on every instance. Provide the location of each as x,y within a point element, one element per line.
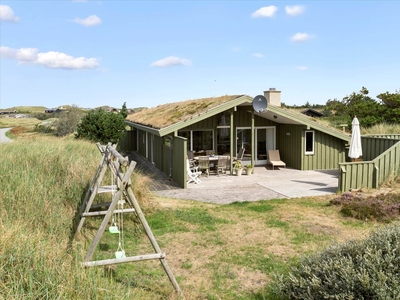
<point>384,161</point>
<point>128,143</point>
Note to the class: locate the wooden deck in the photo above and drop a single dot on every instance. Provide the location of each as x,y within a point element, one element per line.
<point>159,180</point>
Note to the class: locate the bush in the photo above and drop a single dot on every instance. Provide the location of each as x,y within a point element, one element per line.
<point>382,208</point>
<point>44,128</point>
<point>42,116</point>
<point>67,122</point>
<point>365,269</point>
<point>100,126</point>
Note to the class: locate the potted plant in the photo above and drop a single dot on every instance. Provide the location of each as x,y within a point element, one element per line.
<point>238,168</point>
<point>249,169</point>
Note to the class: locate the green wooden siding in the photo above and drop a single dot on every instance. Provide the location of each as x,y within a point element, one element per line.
<point>158,158</point>
<point>128,142</point>
<point>328,152</point>
<point>372,147</point>
<point>385,136</point>
<point>242,118</point>
<point>289,146</point>
<point>179,161</point>
<point>370,174</point>
<point>142,142</point>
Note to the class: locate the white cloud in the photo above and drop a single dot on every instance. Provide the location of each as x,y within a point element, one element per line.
<point>301,68</point>
<point>58,60</point>
<point>301,37</point>
<point>171,61</point>
<point>294,10</point>
<point>236,48</point>
<point>92,20</point>
<point>259,55</point>
<point>265,12</point>
<point>51,59</point>
<point>7,14</point>
<point>22,55</point>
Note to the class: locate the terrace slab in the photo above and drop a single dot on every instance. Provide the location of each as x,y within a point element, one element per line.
<point>264,184</point>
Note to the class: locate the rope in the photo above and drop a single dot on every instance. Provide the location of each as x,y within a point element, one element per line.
<point>121,225</point>
<point>112,197</point>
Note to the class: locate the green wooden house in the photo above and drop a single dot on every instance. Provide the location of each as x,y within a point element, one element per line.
<point>165,133</point>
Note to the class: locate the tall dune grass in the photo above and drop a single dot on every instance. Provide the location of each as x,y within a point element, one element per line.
<point>42,181</point>
<point>382,128</point>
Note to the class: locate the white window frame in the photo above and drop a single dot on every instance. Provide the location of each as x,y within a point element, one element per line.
<point>313,142</point>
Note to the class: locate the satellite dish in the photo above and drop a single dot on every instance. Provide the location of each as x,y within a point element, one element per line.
<point>260,104</point>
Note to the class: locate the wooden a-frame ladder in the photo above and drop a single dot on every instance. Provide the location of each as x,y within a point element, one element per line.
<point>116,163</point>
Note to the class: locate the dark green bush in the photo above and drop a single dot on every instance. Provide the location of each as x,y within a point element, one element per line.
<point>42,116</point>
<point>364,269</point>
<point>101,126</point>
<point>44,128</point>
<point>382,208</point>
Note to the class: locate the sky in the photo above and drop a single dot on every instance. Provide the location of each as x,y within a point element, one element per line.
<point>146,53</point>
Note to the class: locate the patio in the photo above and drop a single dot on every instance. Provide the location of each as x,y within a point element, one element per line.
<point>264,184</point>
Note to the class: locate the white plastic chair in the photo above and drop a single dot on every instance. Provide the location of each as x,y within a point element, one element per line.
<point>192,173</point>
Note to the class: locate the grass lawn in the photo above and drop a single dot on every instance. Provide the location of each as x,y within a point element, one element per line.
<point>227,251</point>
<point>23,122</point>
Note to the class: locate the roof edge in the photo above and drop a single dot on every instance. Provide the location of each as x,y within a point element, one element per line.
<point>312,124</point>
<point>204,115</point>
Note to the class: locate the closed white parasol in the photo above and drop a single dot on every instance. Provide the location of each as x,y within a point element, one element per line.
<point>355,150</point>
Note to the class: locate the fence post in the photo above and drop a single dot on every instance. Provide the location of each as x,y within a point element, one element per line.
<point>375,178</point>
<point>342,179</point>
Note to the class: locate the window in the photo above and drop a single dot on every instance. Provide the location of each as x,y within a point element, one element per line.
<point>199,140</point>
<point>309,142</point>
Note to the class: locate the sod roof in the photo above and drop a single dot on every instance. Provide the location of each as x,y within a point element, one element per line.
<point>167,114</point>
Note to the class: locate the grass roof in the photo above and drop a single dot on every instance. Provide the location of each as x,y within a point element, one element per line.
<point>167,114</point>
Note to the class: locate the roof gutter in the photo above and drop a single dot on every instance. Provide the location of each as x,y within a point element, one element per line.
<point>151,130</point>
<point>308,122</point>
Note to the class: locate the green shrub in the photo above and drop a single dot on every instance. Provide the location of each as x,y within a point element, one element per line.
<point>364,269</point>
<point>42,116</point>
<point>100,126</point>
<point>44,128</point>
<point>67,122</point>
<point>382,208</point>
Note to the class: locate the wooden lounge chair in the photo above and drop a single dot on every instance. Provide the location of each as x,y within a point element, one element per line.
<point>274,159</point>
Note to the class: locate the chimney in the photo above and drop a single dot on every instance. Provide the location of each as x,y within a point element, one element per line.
<point>273,97</point>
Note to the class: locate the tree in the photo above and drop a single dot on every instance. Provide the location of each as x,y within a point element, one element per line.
<point>335,106</point>
<point>68,121</point>
<point>368,111</point>
<point>391,102</point>
<point>124,111</point>
<point>100,126</point>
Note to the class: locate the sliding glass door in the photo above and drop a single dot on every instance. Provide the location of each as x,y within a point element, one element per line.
<point>264,141</point>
